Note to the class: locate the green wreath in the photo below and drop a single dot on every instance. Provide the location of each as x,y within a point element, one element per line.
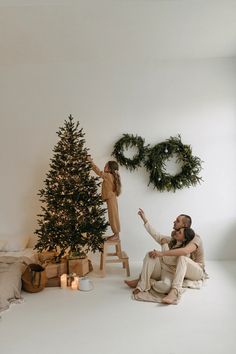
<point>190,165</point>
<point>128,141</point>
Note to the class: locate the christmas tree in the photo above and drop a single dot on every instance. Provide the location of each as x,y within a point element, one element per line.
<point>72,221</point>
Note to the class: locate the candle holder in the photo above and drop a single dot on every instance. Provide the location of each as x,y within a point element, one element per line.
<point>70,278</point>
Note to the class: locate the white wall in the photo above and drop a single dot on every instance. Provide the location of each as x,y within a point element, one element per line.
<point>112,95</point>
<point>154,100</point>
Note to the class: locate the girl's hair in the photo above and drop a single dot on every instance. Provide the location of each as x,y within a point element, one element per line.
<point>188,236</point>
<point>113,168</point>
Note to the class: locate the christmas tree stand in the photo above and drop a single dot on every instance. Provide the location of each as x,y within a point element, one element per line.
<point>118,256</point>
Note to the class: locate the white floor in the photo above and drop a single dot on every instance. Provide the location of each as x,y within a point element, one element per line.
<point>106,320</point>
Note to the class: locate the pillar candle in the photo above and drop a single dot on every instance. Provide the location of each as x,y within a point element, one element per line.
<point>74,285</point>
<point>63,280</point>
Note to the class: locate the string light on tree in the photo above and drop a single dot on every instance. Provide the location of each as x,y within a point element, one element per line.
<point>69,191</point>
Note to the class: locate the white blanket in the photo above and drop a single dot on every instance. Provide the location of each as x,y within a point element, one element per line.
<point>12,265</point>
<point>153,296</point>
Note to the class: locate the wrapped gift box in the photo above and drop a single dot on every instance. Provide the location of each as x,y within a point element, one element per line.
<point>54,270</point>
<point>80,266</point>
<point>53,282</point>
<point>46,256</point>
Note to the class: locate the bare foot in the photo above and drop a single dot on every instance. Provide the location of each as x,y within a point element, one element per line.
<point>114,237</point>
<point>132,283</point>
<point>171,298</point>
<point>136,291</point>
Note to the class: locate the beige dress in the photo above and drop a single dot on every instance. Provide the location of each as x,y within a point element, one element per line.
<point>110,197</point>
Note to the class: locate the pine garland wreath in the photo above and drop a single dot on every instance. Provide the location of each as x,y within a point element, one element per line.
<point>190,165</point>
<point>129,141</point>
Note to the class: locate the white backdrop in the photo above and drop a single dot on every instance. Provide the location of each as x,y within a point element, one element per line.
<point>110,96</point>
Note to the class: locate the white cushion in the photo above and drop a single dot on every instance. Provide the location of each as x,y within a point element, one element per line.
<point>13,243</point>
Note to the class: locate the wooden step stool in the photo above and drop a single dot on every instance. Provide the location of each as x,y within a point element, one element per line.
<point>121,256</point>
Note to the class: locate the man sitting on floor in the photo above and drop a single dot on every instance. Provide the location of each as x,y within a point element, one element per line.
<point>154,264</point>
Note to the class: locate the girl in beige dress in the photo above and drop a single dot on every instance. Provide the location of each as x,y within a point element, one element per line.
<point>111,189</point>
